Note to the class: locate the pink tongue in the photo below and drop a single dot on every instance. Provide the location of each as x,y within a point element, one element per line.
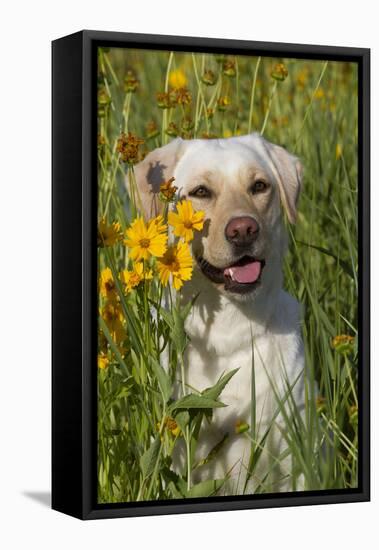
<point>248,273</point>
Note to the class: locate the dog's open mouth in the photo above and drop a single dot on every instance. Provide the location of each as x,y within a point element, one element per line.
<point>242,276</point>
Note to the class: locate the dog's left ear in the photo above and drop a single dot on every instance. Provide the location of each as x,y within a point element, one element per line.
<point>288,172</point>
<point>158,166</point>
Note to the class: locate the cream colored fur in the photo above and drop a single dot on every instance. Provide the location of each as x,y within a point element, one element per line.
<point>229,330</point>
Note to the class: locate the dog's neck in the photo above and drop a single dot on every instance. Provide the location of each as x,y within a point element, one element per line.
<point>214,308</point>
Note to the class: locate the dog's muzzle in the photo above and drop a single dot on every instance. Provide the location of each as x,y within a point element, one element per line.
<point>241,277</point>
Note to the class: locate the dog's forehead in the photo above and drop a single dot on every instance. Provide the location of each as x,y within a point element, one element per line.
<point>229,156</point>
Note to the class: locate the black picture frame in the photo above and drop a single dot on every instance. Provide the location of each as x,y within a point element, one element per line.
<point>74,331</point>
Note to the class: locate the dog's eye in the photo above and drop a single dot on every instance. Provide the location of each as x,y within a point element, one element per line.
<point>258,187</point>
<point>200,192</point>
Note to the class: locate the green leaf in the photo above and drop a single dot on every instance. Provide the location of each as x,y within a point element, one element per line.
<point>176,484</point>
<point>175,320</point>
<point>150,457</point>
<point>213,452</point>
<point>179,334</point>
<point>182,418</point>
<point>193,401</point>
<point>205,488</point>
<point>187,308</point>
<point>173,490</point>
<point>167,317</point>
<point>163,379</point>
<point>123,391</point>
<point>214,391</point>
<point>135,359</point>
<point>136,364</point>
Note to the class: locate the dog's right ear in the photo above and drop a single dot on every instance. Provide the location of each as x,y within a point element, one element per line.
<point>156,168</point>
<point>288,172</point>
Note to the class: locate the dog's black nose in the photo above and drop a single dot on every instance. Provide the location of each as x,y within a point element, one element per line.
<point>242,231</point>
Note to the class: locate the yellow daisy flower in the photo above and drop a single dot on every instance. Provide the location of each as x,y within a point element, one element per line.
<point>146,240</point>
<point>171,424</point>
<point>102,361</point>
<point>343,343</point>
<point>186,220</point>
<point>132,278</point>
<point>107,285</point>
<point>108,235</point>
<point>158,223</point>
<point>113,317</point>
<point>177,79</point>
<point>177,262</point>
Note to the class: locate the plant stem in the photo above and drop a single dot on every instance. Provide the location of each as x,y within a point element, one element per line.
<point>308,109</point>
<point>251,110</point>
<point>273,90</point>
<point>187,434</point>
<point>201,95</point>
<point>126,111</point>
<point>164,114</point>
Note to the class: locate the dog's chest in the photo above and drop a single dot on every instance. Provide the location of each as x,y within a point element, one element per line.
<point>263,352</point>
<point>207,360</point>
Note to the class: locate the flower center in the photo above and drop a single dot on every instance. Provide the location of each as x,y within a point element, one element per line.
<point>135,279</point>
<point>109,285</point>
<point>188,224</point>
<point>144,243</point>
<point>174,266</point>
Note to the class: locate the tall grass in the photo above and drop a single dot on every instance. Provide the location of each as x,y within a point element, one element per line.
<point>310,107</point>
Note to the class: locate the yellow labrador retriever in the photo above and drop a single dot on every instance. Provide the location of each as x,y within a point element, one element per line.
<point>242,317</point>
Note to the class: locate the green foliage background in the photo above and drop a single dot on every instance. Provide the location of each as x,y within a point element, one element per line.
<point>312,111</point>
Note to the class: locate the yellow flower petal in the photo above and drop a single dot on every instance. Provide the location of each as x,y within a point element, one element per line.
<point>108,235</point>
<point>107,285</point>
<point>177,79</point>
<point>185,220</point>
<point>113,317</point>
<point>146,240</point>
<point>174,218</point>
<point>177,263</point>
<point>102,361</point>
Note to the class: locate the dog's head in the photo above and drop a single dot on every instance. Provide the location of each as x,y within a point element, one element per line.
<point>240,184</point>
